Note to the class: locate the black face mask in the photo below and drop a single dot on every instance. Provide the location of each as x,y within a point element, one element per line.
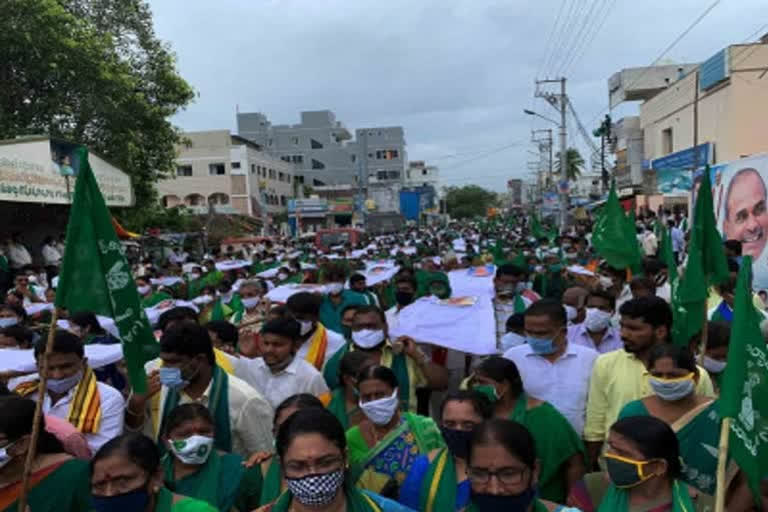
<point>511,503</point>
<point>457,441</point>
<point>403,298</point>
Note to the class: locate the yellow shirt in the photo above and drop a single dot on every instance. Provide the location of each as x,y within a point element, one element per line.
<point>618,378</point>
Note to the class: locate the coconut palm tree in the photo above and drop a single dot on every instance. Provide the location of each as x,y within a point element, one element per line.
<point>574,163</point>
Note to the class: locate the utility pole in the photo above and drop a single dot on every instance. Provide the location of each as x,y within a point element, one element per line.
<point>559,102</point>
<point>545,144</point>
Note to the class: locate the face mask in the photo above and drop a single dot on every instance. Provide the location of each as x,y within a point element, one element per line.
<point>4,457</point>
<point>457,441</point>
<point>672,389</point>
<point>192,450</point>
<point>334,288</point>
<point>282,276</point>
<point>488,391</point>
<point>143,290</point>
<point>305,327</point>
<point>496,502</point>
<point>367,338</point>
<point>606,282</point>
<point>624,472</point>
<point>571,312</point>
<point>538,269</point>
<point>127,502</point>
<point>65,384</point>
<point>225,297</point>
<point>403,298</point>
<point>251,302</point>
<point>32,279</point>
<point>541,346</point>
<point>8,322</point>
<point>380,411</point>
<point>713,365</point>
<point>203,299</point>
<point>194,276</point>
<point>511,339</point>
<point>597,320</point>
<point>316,490</point>
<point>171,378</point>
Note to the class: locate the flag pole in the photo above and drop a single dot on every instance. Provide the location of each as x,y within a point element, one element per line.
<point>704,336</point>
<point>37,419</point>
<point>722,457</point>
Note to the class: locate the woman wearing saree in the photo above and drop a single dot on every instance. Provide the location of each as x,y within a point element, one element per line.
<point>126,476</point>
<point>384,445</point>
<point>58,483</point>
<point>558,447</point>
<point>312,449</point>
<point>693,418</point>
<point>503,470</point>
<point>192,467</point>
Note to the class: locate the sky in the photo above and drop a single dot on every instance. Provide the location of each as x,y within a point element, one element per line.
<point>455,74</point>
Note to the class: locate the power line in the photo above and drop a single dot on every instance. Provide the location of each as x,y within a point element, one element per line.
<point>590,37</point>
<point>489,153</point>
<point>547,47</point>
<point>563,36</point>
<point>578,37</point>
<point>572,32</point>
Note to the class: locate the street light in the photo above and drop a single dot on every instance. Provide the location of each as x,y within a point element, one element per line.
<point>532,113</point>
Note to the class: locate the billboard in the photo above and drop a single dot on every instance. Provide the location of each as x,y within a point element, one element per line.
<point>739,191</point>
<point>674,172</point>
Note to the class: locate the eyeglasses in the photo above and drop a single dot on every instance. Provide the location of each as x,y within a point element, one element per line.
<point>505,476</point>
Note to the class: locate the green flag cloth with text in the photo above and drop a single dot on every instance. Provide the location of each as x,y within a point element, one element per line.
<point>96,277</point>
<point>744,390</point>
<point>612,237</point>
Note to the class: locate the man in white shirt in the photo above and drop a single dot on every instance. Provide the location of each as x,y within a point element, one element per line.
<point>68,372</point>
<point>551,368</point>
<point>650,243</point>
<point>18,255</point>
<point>280,373</point>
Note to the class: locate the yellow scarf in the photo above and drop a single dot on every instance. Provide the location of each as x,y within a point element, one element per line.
<point>317,347</point>
<point>85,408</point>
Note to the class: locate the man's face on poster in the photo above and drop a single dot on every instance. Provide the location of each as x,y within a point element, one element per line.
<point>747,218</point>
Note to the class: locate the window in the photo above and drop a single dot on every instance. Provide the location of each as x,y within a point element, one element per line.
<point>354,157</point>
<point>301,179</point>
<point>387,154</point>
<point>381,175</point>
<point>314,144</point>
<point>423,172</point>
<point>295,141</point>
<point>269,142</point>
<point>316,164</point>
<point>184,170</point>
<point>217,169</point>
<point>235,165</point>
<point>297,159</point>
<point>667,142</point>
<point>271,174</point>
<point>285,158</point>
<point>281,176</point>
<point>393,175</point>
<point>282,201</point>
<point>288,178</point>
<point>253,168</point>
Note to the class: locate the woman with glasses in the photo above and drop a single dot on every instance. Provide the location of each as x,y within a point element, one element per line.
<point>558,447</point>
<point>643,466</point>
<point>126,475</point>
<point>57,482</point>
<point>312,449</point>
<point>384,445</point>
<point>504,470</point>
<point>192,466</point>
<point>438,481</point>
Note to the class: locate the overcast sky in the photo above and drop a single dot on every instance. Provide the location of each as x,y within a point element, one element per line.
<point>456,74</point>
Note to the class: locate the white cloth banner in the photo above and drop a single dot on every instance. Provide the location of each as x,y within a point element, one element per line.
<point>153,313</point>
<point>473,281</point>
<point>469,328</point>
<point>232,265</point>
<point>379,274</point>
<point>283,292</point>
<point>106,323</point>
<point>269,273</point>
<point>166,281</point>
<point>24,360</point>
<point>36,307</point>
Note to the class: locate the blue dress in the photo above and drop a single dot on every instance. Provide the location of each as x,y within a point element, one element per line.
<point>410,491</point>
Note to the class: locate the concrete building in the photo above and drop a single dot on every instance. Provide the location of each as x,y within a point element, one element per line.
<point>638,84</point>
<point>229,173</point>
<point>382,157</point>
<point>316,146</point>
<point>628,150</point>
<point>420,174</point>
<point>725,100</point>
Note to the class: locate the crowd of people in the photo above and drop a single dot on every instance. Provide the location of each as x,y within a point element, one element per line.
<point>284,382</point>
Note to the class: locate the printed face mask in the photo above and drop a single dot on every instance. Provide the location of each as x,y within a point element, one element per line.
<point>316,490</point>
<point>193,450</point>
<point>380,411</point>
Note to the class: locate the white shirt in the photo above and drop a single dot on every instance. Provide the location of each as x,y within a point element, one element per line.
<point>18,255</point>
<point>564,383</point>
<point>624,296</point>
<point>297,377</point>
<point>112,413</point>
<point>51,255</point>
<point>650,244</point>
<point>335,342</point>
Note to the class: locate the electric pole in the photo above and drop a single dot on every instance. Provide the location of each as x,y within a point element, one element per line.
<point>559,102</point>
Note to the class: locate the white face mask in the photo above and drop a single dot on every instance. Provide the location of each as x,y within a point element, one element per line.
<point>713,365</point>
<point>606,282</point>
<point>194,275</point>
<point>192,450</point>
<point>380,411</point>
<point>251,302</point>
<point>305,327</point>
<point>143,290</point>
<point>203,299</point>
<point>571,313</point>
<point>282,276</point>
<point>8,322</point>
<point>597,320</point>
<point>334,288</point>
<point>367,338</point>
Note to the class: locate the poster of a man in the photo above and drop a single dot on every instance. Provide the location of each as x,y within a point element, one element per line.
<point>745,216</point>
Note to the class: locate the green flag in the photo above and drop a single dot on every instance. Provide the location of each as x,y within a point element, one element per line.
<point>612,237</point>
<point>96,277</point>
<point>704,230</point>
<point>217,313</point>
<point>744,391</point>
<point>519,304</point>
<point>238,309</point>
<point>536,229</point>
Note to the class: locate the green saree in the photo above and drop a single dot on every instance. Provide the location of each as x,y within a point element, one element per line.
<point>272,482</point>
<point>64,487</point>
<point>223,481</point>
<point>556,442</point>
<point>165,503</point>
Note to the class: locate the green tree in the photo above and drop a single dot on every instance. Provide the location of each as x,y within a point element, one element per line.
<point>93,72</point>
<point>574,163</point>
<point>468,201</point>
